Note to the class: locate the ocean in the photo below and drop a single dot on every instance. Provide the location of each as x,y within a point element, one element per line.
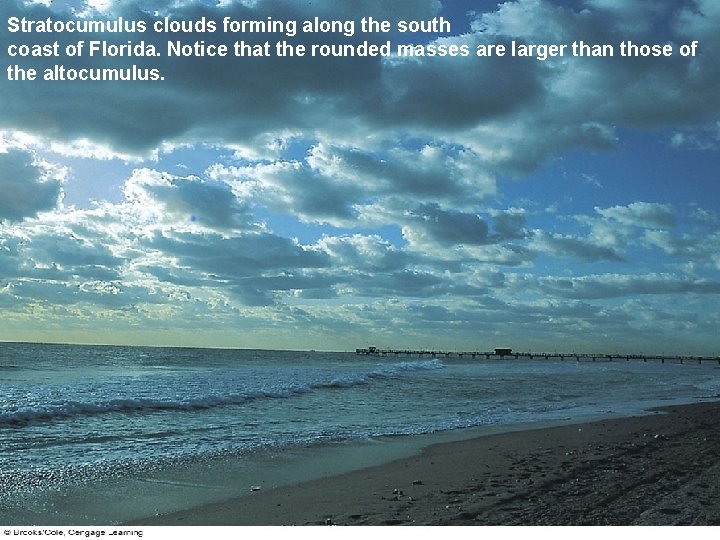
<point>99,434</point>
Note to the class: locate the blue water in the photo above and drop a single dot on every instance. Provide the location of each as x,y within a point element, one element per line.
<point>78,413</point>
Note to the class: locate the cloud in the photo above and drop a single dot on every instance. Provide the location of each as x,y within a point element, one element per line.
<point>701,138</point>
<point>443,173</point>
<point>641,214</point>
<point>198,98</point>
<point>631,17</point>
<point>452,238</point>
<point>191,201</point>
<point>612,232</point>
<point>294,186</point>
<point>426,93</point>
<point>619,285</point>
<point>360,253</point>
<point>698,20</point>
<point>510,224</point>
<point>645,92</point>
<point>555,105</point>
<point>27,186</point>
<point>405,180</point>
<point>584,249</point>
<point>450,226</point>
<point>694,248</point>
<point>235,256</point>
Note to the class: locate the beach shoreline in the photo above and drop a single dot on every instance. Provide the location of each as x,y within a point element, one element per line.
<point>655,469</point>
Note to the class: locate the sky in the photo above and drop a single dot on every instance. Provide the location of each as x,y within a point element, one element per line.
<point>568,204</point>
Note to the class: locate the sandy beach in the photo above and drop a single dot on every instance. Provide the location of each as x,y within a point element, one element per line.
<point>658,469</point>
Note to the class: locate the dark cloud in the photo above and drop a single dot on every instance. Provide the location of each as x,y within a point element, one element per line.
<point>216,99</point>
<point>234,100</point>
<point>204,203</point>
<point>509,225</point>
<point>462,92</point>
<point>405,283</point>
<point>25,189</point>
<point>450,227</point>
<point>236,257</point>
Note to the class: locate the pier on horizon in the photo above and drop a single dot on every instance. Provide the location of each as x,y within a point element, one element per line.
<point>503,353</point>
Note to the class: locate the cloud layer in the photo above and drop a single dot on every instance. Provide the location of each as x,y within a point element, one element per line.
<point>341,199</point>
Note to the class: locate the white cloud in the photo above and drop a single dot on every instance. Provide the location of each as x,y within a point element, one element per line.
<point>584,249</point>
<point>641,214</point>
<point>620,285</point>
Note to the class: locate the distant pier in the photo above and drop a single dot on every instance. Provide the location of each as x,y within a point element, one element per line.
<point>503,353</point>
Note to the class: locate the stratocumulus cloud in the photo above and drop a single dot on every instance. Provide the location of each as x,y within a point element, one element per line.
<point>27,187</point>
<point>331,200</point>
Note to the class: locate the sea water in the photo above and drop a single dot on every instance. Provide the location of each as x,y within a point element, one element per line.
<point>76,417</point>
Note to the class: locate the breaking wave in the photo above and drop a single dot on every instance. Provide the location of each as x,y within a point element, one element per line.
<point>72,409</point>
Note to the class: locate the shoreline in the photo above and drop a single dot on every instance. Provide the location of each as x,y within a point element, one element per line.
<point>654,469</point>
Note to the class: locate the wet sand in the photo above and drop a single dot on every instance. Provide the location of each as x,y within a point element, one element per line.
<point>659,469</point>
